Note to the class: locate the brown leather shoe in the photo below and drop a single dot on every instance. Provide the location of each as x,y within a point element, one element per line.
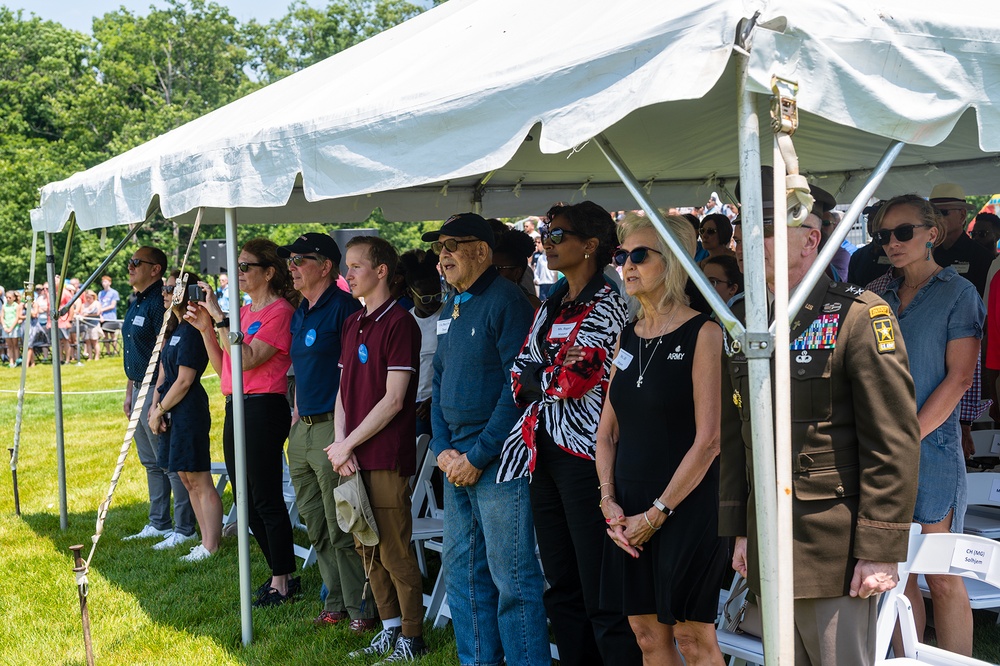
<point>329,618</point>
<point>363,625</point>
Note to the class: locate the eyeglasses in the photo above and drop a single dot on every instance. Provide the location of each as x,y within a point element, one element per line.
<point>425,299</point>
<point>949,211</point>
<point>299,259</point>
<point>717,281</point>
<point>903,233</point>
<point>168,288</point>
<point>980,233</point>
<point>708,231</point>
<point>638,255</point>
<point>244,266</point>
<point>557,235</point>
<point>451,244</point>
<point>134,262</point>
<point>768,228</point>
<point>505,268</point>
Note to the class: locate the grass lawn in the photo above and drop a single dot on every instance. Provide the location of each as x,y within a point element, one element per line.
<point>145,606</point>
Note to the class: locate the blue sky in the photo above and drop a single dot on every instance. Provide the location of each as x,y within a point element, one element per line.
<point>78,14</point>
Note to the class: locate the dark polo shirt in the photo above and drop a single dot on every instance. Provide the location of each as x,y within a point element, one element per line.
<point>372,345</point>
<point>315,349</point>
<point>140,329</point>
<point>968,258</point>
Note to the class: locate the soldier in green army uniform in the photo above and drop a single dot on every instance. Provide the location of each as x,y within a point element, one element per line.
<point>855,450</point>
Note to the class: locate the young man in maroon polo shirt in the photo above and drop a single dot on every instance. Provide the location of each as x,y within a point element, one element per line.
<point>375,427</point>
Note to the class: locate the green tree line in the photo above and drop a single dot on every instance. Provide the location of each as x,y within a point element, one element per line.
<point>69,101</point>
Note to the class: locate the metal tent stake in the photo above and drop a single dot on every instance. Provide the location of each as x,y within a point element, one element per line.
<point>79,569</point>
<point>17,496</point>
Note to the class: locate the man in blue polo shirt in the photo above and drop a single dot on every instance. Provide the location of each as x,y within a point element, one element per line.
<point>139,332</point>
<point>493,580</point>
<point>313,261</point>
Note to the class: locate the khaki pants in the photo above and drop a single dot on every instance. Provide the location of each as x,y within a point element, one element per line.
<point>314,480</point>
<point>835,631</point>
<point>395,577</point>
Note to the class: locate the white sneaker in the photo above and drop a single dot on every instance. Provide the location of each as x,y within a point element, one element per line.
<point>197,554</point>
<point>175,539</point>
<point>148,532</point>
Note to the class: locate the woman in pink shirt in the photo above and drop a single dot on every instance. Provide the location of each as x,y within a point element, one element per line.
<point>267,339</point>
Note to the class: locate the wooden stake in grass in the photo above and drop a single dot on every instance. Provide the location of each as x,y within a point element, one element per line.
<point>80,569</point>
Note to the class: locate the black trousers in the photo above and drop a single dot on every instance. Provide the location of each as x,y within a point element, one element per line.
<point>268,421</point>
<point>571,531</point>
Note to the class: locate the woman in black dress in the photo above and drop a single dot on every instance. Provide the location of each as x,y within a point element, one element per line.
<point>180,414</point>
<point>657,445</point>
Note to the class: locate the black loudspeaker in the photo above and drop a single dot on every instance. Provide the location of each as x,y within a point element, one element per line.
<point>344,235</point>
<point>213,257</point>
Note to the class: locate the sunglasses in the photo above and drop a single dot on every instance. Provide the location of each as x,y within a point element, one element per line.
<point>557,236</point>
<point>134,262</point>
<point>903,233</point>
<point>168,288</point>
<point>708,231</point>
<point>244,266</point>
<point>717,281</point>
<point>949,211</point>
<point>977,233</point>
<point>425,299</point>
<point>638,255</point>
<point>505,268</point>
<point>451,244</point>
<point>299,259</point>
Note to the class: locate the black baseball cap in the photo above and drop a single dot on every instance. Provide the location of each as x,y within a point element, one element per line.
<point>464,224</point>
<point>313,242</point>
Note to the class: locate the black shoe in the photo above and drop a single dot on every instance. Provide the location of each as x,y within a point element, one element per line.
<point>272,597</point>
<point>294,588</point>
<point>406,649</point>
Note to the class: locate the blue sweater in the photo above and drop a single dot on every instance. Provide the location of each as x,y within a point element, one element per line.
<point>472,407</point>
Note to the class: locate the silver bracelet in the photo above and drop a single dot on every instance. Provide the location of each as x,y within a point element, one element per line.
<point>651,525</point>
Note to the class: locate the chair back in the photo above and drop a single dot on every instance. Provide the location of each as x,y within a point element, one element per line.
<point>987,443</point>
<point>983,488</point>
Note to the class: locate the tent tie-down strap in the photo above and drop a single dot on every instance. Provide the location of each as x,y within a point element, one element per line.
<point>784,122</point>
<point>137,403</point>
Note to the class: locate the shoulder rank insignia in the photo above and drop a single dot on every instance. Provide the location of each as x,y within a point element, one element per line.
<point>885,339</point>
<point>879,311</point>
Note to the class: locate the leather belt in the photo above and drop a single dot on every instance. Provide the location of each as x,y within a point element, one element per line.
<point>249,396</point>
<point>316,418</point>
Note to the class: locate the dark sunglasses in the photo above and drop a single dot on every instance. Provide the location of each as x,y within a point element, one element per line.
<point>168,288</point>
<point>949,211</point>
<point>451,244</point>
<point>717,281</point>
<point>638,255</point>
<point>244,266</point>
<point>135,261</point>
<point>708,231</point>
<point>903,233</point>
<point>978,233</point>
<point>299,259</point>
<point>557,236</point>
<point>425,299</point>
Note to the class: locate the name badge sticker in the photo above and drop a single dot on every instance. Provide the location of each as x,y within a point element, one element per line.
<point>995,491</point>
<point>174,340</point>
<point>623,360</point>
<point>444,325</point>
<point>310,337</point>
<point>961,267</point>
<point>972,556</point>
<point>254,327</point>
<point>139,320</point>
<point>561,331</point>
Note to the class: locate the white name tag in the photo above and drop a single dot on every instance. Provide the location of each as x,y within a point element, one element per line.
<point>174,340</point>
<point>884,260</point>
<point>995,491</point>
<point>623,360</point>
<point>444,325</point>
<point>961,267</point>
<point>139,320</point>
<point>972,556</point>
<point>560,331</point>
<point>995,448</point>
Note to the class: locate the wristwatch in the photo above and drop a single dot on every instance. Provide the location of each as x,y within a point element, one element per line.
<point>663,507</point>
<point>224,323</point>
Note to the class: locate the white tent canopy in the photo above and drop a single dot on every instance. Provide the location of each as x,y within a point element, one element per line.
<point>486,100</point>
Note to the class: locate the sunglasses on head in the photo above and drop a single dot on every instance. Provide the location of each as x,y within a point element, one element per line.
<point>135,262</point>
<point>903,233</point>
<point>637,256</point>
<point>556,236</point>
<point>425,299</point>
<point>299,259</point>
<point>244,266</point>
<point>451,244</point>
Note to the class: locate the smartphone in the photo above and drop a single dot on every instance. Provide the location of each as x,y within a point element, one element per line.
<point>195,293</point>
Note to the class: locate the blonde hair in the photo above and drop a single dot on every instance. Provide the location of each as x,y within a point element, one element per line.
<point>673,278</point>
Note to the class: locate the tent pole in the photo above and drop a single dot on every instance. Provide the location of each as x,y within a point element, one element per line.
<point>29,298</point>
<point>814,274</point>
<point>239,429</point>
<point>55,353</point>
<point>757,346</point>
<point>722,311</point>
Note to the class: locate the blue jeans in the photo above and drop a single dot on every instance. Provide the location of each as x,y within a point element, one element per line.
<point>493,579</point>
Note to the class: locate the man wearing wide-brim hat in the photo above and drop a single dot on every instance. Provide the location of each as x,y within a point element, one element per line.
<point>969,259</point>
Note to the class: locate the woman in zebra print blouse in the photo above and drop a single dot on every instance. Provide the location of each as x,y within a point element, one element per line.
<point>560,379</point>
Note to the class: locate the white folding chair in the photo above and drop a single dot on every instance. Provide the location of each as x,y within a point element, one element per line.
<point>741,649</point>
<point>987,443</point>
<point>975,558</point>
<point>982,517</point>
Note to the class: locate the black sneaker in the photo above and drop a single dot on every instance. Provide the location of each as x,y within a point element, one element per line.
<point>294,588</point>
<point>407,649</point>
<point>274,598</point>
<point>380,645</point>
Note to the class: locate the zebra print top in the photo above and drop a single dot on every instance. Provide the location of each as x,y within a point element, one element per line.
<point>566,399</point>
